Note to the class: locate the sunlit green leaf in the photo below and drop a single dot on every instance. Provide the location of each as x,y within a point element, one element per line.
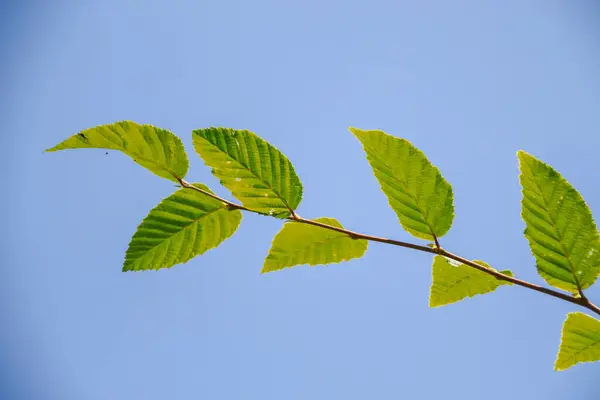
<point>580,341</point>
<point>257,174</point>
<point>298,244</point>
<point>182,226</point>
<point>559,226</point>
<point>156,149</point>
<point>453,281</point>
<point>415,189</point>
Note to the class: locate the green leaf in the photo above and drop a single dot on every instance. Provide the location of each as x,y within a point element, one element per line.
<point>182,226</point>
<point>298,244</point>
<point>257,174</point>
<point>580,341</point>
<point>415,189</point>
<point>156,149</point>
<point>454,281</point>
<point>559,226</point>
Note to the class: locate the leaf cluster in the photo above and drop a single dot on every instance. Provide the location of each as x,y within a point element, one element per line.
<point>562,234</point>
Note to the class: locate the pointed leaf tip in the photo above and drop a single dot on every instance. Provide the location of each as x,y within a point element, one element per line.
<point>524,156</point>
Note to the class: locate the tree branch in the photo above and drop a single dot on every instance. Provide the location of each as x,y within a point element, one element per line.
<point>581,301</point>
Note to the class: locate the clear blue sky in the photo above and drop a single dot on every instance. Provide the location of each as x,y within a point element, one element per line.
<point>469,82</point>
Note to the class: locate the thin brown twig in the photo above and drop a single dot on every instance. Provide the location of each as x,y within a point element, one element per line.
<point>581,301</point>
<point>228,203</point>
<point>356,235</point>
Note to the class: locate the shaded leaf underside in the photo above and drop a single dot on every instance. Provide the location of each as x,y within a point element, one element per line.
<point>452,283</point>
<point>580,341</point>
<point>299,244</point>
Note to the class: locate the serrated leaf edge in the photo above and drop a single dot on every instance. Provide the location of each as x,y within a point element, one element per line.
<point>456,264</point>
<point>122,149</point>
<point>247,168</point>
<point>311,264</point>
<point>413,232</point>
<point>562,335</point>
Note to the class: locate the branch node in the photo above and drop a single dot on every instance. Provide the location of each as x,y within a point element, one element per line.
<point>437,244</point>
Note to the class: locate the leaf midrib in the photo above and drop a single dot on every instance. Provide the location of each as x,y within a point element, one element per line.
<point>466,278</point>
<point>407,191</point>
<point>571,358</point>
<point>556,230</point>
<point>247,168</point>
<point>187,226</point>
<point>322,242</point>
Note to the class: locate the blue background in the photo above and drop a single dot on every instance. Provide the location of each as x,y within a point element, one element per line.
<point>468,82</point>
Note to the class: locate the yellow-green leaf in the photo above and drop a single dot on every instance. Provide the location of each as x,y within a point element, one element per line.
<point>559,226</point>
<point>298,244</point>
<point>154,148</point>
<point>453,281</point>
<point>580,341</point>
<point>416,191</point>
<point>182,226</point>
<point>257,174</point>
